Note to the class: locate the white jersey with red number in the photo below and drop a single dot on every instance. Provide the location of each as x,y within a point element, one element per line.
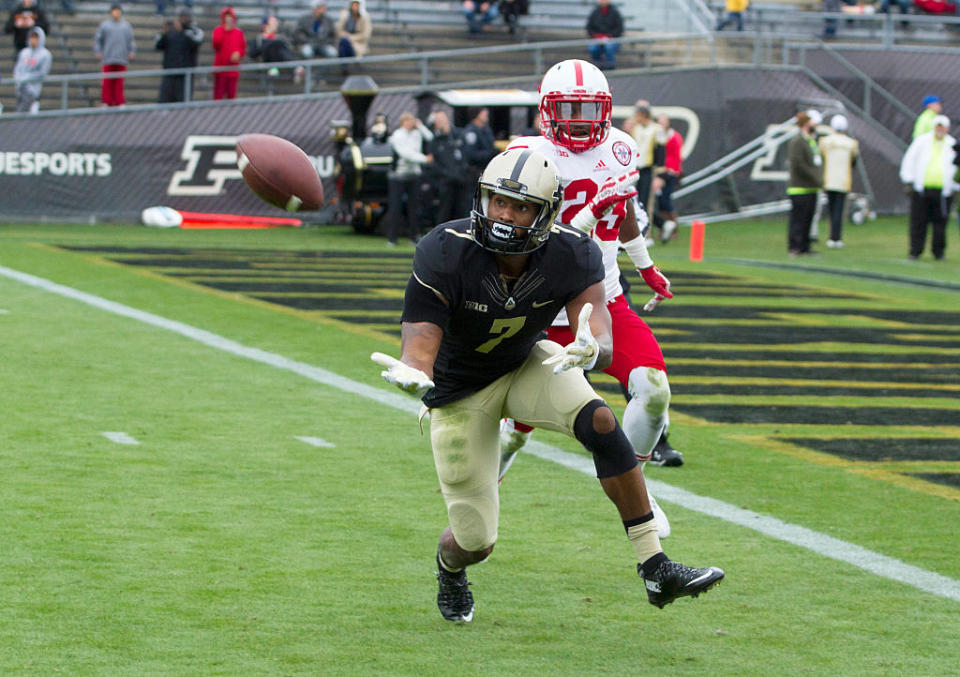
<point>582,174</point>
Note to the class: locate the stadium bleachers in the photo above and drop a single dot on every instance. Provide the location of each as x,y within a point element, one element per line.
<point>863,23</point>
<point>400,27</point>
<point>405,27</point>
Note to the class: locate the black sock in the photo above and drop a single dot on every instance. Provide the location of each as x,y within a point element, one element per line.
<point>651,564</point>
<point>639,520</point>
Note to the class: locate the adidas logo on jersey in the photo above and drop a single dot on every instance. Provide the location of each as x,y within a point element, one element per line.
<point>600,167</point>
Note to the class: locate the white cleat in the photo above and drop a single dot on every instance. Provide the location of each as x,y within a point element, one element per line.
<point>660,517</point>
<point>511,441</point>
<point>669,228</point>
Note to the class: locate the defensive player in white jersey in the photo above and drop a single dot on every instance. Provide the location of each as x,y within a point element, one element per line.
<point>597,165</point>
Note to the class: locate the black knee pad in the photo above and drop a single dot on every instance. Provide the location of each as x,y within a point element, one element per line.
<point>612,452</point>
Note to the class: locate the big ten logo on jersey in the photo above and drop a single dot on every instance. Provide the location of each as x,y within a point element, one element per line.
<point>622,153</point>
<point>212,161</point>
<point>577,194</point>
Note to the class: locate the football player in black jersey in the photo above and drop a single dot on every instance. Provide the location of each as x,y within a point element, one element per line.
<point>482,291</point>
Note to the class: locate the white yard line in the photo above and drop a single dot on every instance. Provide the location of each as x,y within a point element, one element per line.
<point>120,438</point>
<point>314,441</point>
<point>828,546</point>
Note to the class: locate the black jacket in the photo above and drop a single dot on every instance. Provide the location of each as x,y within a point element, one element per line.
<point>447,150</point>
<point>20,32</point>
<point>802,161</point>
<point>271,50</point>
<point>605,23</point>
<point>180,47</point>
<point>478,148</point>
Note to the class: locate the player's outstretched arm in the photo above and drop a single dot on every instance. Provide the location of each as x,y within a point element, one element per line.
<point>592,346</point>
<point>413,372</point>
<point>613,191</point>
<point>636,249</point>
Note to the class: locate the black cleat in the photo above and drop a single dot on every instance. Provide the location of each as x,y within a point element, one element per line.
<point>665,455</point>
<point>454,598</point>
<point>672,580</point>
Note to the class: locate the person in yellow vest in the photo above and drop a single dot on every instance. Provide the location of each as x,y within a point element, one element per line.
<point>927,169</point>
<point>735,10</point>
<point>840,154</point>
<point>816,121</point>
<point>932,107</point>
<point>806,178</point>
<point>648,134</point>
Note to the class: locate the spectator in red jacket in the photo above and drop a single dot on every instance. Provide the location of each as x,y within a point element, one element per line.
<point>229,47</point>
<point>669,179</point>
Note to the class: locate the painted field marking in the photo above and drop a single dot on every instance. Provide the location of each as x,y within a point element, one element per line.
<point>120,438</point>
<point>314,441</point>
<point>828,546</point>
<point>4,311</point>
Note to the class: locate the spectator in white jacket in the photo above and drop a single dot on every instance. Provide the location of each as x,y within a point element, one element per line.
<point>927,170</point>
<point>404,179</point>
<point>33,65</point>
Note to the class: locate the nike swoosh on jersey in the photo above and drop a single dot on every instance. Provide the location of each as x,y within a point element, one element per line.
<point>541,304</point>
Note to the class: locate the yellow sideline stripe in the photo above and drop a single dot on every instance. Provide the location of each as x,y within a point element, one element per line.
<point>817,347</point>
<point>711,361</point>
<point>259,273</point>
<point>347,264</point>
<point>252,254</point>
<point>368,294</point>
<point>356,279</point>
<point>767,320</point>
<point>820,402</point>
<point>907,482</point>
<point>808,383</point>
<point>317,318</point>
<point>872,470</point>
<point>361,312</point>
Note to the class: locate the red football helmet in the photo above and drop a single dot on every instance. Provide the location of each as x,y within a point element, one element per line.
<point>575,105</point>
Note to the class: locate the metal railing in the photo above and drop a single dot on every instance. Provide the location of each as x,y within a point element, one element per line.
<point>420,65</point>
<point>698,14</point>
<point>433,68</point>
<point>870,87</point>
<point>887,29</point>
<point>738,158</point>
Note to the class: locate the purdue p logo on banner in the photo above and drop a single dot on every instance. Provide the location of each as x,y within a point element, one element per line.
<point>211,160</point>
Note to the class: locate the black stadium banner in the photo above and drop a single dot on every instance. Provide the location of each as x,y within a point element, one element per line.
<point>111,164</point>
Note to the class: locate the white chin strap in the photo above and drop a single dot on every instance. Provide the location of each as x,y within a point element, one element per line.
<point>646,414</point>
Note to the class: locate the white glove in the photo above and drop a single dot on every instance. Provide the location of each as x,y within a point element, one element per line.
<point>584,350</point>
<point>651,305</point>
<point>659,283</point>
<point>407,378</point>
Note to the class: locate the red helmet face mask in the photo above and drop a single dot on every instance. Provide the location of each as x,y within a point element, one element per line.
<point>575,105</point>
<point>577,122</point>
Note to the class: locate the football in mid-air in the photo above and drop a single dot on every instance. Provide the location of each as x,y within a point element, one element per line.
<point>279,172</point>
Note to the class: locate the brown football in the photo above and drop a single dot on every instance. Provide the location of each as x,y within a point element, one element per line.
<point>279,172</point>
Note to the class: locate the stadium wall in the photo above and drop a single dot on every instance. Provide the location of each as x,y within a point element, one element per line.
<point>109,165</point>
<point>907,75</point>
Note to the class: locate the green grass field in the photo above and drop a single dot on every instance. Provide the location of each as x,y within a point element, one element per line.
<point>820,392</point>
